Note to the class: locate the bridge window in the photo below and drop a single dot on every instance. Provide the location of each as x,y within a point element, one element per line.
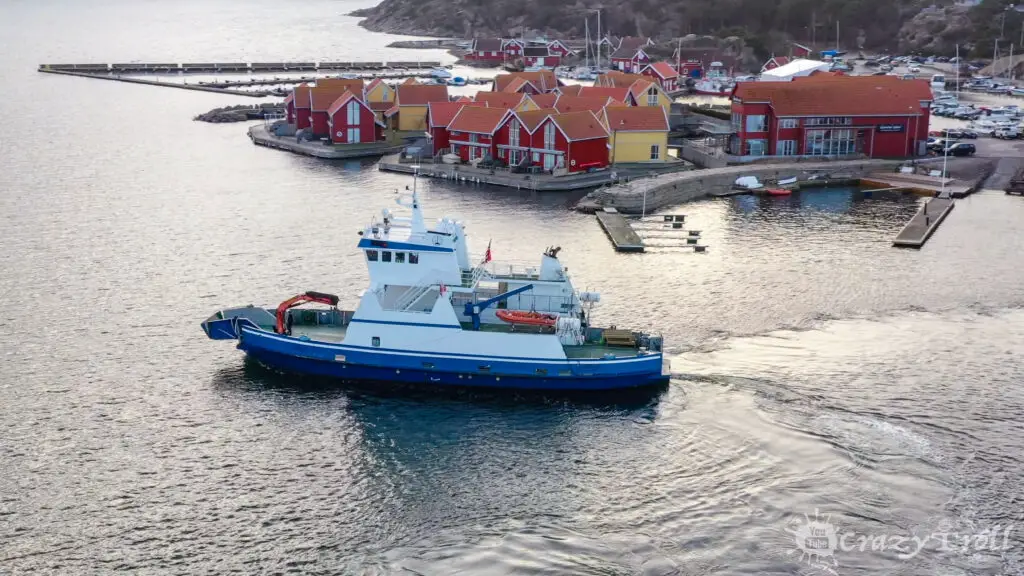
<point>414,258</point>
<point>371,255</point>
<point>385,256</point>
<point>399,257</point>
<point>375,341</point>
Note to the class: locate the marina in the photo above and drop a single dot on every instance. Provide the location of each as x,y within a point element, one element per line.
<point>618,229</point>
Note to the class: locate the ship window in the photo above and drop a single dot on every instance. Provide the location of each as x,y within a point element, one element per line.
<point>542,372</point>
<point>483,368</point>
<point>565,372</point>
<point>375,341</point>
<point>399,257</point>
<point>414,258</point>
<point>385,256</point>
<point>428,364</point>
<point>371,255</point>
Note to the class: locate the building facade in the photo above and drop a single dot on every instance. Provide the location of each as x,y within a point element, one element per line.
<point>874,116</point>
<point>664,74</point>
<point>351,121</point>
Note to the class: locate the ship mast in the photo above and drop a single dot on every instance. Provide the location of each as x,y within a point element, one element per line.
<point>418,227</point>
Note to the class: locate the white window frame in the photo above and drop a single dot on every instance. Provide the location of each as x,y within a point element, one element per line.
<point>513,132</point>
<point>786,148</point>
<point>353,135</point>
<point>352,113</point>
<point>549,136</point>
<point>655,152</point>
<point>652,96</point>
<point>789,123</point>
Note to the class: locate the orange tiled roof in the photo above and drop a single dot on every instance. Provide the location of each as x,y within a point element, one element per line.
<point>571,89</point>
<point>839,95</point>
<point>637,118</point>
<point>409,81</point>
<point>515,85</point>
<point>477,119</point>
<point>421,94</point>
<point>442,113</point>
<point>543,80</point>
<point>619,79</point>
<point>620,93</point>
<point>581,125</point>
<point>321,97</point>
<point>507,100</point>
<point>301,93</point>
<point>532,118</point>
<point>544,100</point>
<point>353,85</point>
<point>664,70</point>
<point>577,103</point>
<point>640,87</point>
<point>340,101</point>
<point>380,106</point>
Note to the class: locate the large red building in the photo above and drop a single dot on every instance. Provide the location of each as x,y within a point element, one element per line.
<point>351,121</point>
<point>439,116</point>
<point>877,116</point>
<point>471,132</point>
<point>574,141</point>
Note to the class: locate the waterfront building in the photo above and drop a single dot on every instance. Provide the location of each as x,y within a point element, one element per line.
<point>637,134</point>
<point>352,121</point>
<point>774,62</point>
<point>647,93</point>
<point>488,50</point>
<point>573,142</point>
<point>800,51</point>
<point>664,74</point>
<point>320,100</point>
<point>691,68</point>
<point>534,56</point>
<point>439,116</point>
<point>298,110</point>
<point>875,116</point>
<point>796,68</point>
<point>631,60</point>
<point>411,102</point>
<point>557,47</point>
<point>513,48</point>
<point>378,91</point>
<point>471,132</point>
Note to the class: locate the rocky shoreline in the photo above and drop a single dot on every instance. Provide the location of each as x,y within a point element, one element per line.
<point>241,113</point>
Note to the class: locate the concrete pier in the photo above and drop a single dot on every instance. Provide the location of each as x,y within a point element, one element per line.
<point>497,177</point>
<point>207,67</point>
<point>261,136</point>
<point>924,223</point>
<point>622,235</point>
<point>179,85</point>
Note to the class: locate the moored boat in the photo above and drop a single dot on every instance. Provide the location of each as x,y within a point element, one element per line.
<point>431,316</point>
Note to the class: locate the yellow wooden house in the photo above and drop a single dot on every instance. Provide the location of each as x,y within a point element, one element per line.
<point>410,106</point>
<point>637,133</point>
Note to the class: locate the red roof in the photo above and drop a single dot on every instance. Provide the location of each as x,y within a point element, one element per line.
<point>321,97</point>
<point>516,84</point>
<point>442,113</point>
<point>543,80</point>
<point>380,106</point>
<point>506,100</point>
<point>571,89</point>
<point>619,79</point>
<point>620,93</point>
<point>301,93</point>
<point>532,118</point>
<point>640,87</point>
<point>839,95</point>
<point>580,125</point>
<point>341,101</point>
<point>421,94</point>
<point>577,103</point>
<point>373,84</point>
<point>408,81</point>
<point>664,70</point>
<point>637,118</point>
<point>354,85</point>
<point>477,119</point>
<point>544,100</point>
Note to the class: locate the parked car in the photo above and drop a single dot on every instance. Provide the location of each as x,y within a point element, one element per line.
<point>1006,134</point>
<point>961,149</point>
<point>942,143</point>
<point>969,134</point>
<point>914,69</point>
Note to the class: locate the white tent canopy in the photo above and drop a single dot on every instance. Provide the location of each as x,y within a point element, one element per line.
<point>794,69</point>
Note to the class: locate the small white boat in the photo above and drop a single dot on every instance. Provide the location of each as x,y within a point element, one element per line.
<point>748,183</point>
<point>457,81</point>
<point>450,159</point>
<point>440,73</point>
<point>787,181</point>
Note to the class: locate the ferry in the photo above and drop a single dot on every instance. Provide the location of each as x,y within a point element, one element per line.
<point>431,316</point>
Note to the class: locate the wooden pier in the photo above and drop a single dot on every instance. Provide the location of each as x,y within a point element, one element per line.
<point>924,223</point>
<point>261,136</point>
<point>225,67</point>
<point>618,229</point>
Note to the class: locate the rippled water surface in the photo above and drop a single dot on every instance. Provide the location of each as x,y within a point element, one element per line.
<point>823,380</point>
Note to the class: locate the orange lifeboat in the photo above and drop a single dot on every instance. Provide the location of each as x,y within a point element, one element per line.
<point>778,192</point>
<point>528,318</point>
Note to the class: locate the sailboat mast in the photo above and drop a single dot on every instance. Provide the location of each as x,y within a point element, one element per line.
<point>586,37</point>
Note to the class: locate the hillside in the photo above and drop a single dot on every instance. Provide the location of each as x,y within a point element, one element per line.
<point>765,25</point>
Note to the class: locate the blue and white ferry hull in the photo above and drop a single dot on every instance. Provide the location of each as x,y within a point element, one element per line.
<point>352,363</point>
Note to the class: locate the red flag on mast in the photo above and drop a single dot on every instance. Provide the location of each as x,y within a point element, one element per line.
<point>487,255</point>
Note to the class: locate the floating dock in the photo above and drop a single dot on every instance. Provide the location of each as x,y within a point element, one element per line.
<point>497,177</point>
<point>225,67</point>
<point>622,235</point>
<point>924,223</point>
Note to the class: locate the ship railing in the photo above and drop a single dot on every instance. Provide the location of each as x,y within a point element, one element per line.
<point>410,298</point>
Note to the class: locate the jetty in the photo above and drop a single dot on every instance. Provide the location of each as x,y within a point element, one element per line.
<point>622,235</point>
<point>234,67</point>
<point>261,136</point>
<point>924,223</point>
<point>497,176</point>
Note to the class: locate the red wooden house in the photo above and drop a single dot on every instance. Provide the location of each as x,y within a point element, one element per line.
<point>801,51</point>
<point>664,74</point>
<point>486,50</point>
<point>320,100</point>
<point>352,121</point>
<point>690,69</point>
<point>576,141</point>
<point>540,56</point>
<point>774,62</point>
<point>439,116</point>
<point>514,137</point>
<point>298,112</point>
<point>513,48</point>
<point>558,47</point>
<point>471,132</point>
<point>633,61</point>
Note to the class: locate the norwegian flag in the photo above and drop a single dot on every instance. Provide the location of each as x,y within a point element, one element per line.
<point>487,255</point>
<point>443,289</point>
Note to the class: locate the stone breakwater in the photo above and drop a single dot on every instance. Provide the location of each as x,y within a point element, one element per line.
<point>678,188</point>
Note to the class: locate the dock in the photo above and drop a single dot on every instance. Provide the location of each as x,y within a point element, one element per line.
<point>498,176</point>
<point>919,184</point>
<point>233,67</point>
<point>622,235</point>
<point>261,136</point>
<point>924,223</point>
